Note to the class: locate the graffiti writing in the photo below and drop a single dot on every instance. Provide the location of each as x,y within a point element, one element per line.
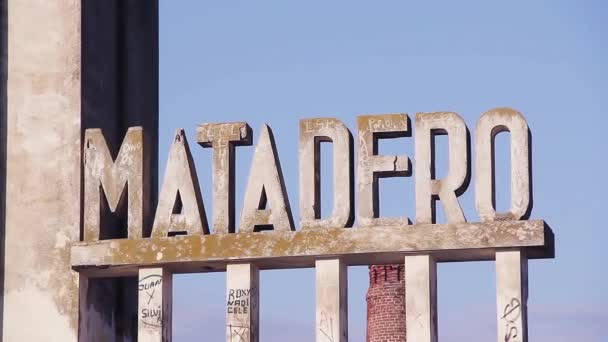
<point>151,312</point>
<point>319,125</point>
<point>238,301</point>
<point>238,333</point>
<point>511,315</point>
<point>326,325</point>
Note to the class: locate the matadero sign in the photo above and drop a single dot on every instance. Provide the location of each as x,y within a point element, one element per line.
<point>176,236</point>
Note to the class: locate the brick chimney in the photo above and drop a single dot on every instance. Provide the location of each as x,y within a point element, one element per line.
<point>386,304</point>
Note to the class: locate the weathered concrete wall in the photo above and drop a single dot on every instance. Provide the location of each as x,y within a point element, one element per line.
<point>57,87</point>
<point>43,170</point>
<point>3,77</point>
<point>119,90</point>
<point>120,78</point>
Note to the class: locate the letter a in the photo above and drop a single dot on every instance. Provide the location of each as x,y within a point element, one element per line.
<point>266,184</point>
<point>180,206</point>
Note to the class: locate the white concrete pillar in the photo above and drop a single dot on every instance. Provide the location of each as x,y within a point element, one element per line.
<point>40,299</point>
<point>332,301</point>
<point>242,306</point>
<point>512,296</point>
<point>420,298</point>
<point>59,64</point>
<point>154,305</point>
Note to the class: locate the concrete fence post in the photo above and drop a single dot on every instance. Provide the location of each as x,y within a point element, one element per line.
<point>332,300</point>
<point>512,296</point>
<point>242,303</point>
<point>154,305</point>
<point>421,298</point>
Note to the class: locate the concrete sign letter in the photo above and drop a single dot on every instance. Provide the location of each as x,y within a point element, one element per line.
<point>489,125</point>
<point>371,166</point>
<point>312,133</point>
<point>103,175</point>
<point>429,189</point>
<point>266,185</point>
<point>223,137</point>
<point>180,207</point>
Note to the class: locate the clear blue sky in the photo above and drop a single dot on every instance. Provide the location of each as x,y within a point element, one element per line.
<point>280,61</point>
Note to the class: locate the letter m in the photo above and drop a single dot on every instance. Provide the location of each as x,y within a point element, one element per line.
<point>120,179</point>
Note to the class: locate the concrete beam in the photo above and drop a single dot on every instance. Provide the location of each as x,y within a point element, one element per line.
<point>242,303</point>
<point>512,296</point>
<point>332,301</point>
<point>286,249</point>
<point>154,305</point>
<point>421,298</point>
